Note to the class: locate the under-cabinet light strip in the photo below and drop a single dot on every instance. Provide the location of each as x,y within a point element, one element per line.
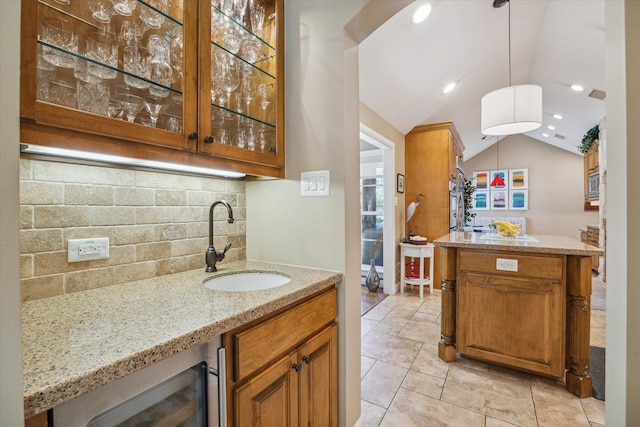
<point>129,161</point>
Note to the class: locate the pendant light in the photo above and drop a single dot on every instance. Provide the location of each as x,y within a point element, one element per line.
<point>512,109</point>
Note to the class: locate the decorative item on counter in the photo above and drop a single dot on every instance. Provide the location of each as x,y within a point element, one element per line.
<point>505,228</point>
<point>417,240</point>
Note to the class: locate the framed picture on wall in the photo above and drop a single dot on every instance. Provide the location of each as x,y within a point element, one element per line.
<point>400,183</point>
<point>499,200</point>
<point>481,180</point>
<point>480,201</point>
<point>519,200</point>
<point>503,180</point>
<point>518,179</point>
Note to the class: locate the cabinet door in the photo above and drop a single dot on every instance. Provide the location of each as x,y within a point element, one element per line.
<point>241,106</point>
<point>270,398</point>
<point>127,75</point>
<point>319,379</point>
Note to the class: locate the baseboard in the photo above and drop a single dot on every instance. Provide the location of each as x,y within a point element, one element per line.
<point>360,422</point>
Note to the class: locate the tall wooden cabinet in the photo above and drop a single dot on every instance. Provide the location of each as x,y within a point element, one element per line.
<point>283,370</point>
<point>195,82</point>
<point>431,153</point>
<point>591,177</point>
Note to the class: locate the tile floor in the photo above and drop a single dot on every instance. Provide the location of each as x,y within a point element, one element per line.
<point>404,383</point>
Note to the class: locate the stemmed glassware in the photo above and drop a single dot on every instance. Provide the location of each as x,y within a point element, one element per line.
<point>101,10</point>
<point>229,78</point>
<point>131,105</point>
<point>264,92</point>
<point>124,7</point>
<point>256,15</point>
<point>155,106</point>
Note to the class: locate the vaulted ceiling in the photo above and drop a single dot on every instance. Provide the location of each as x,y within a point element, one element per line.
<point>554,43</point>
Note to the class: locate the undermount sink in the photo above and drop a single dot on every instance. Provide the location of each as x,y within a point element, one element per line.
<point>242,282</point>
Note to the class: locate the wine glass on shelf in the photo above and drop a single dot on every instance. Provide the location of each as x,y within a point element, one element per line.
<point>264,92</point>
<point>101,10</point>
<point>262,141</point>
<point>131,105</point>
<point>229,80</point>
<point>256,15</point>
<point>155,106</point>
<point>240,10</point>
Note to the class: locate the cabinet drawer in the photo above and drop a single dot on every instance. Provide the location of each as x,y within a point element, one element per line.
<point>256,346</point>
<point>550,267</point>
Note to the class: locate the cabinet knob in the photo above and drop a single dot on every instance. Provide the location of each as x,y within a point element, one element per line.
<point>193,136</point>
<point>306,359</point>
<point>208,139</point>
<point>297,367</point>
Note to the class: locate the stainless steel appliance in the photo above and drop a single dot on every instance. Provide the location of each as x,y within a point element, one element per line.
<point>593,191</point>
<point>456,202</point>
<point>185,389</point>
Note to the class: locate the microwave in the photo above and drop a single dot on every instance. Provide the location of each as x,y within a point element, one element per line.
<point>593,188</point>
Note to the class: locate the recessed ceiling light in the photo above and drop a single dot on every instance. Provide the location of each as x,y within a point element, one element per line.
<point>421,13</point>
<point>577,88</point>
<point>546,135</point>
<point>557,116</point>
<point>448,88</point>
<point>550,127</point>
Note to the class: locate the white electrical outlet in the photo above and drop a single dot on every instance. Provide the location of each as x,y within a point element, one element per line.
<point>506,264</point>
<point>88,249</point>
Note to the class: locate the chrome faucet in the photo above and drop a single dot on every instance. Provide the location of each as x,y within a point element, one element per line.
<point>212,256</point>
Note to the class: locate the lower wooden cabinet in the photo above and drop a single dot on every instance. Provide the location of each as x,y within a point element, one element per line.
<point>283,370</point>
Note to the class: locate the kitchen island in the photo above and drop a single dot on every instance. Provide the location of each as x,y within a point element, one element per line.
<point>75,343</point>
<point>520,302</point>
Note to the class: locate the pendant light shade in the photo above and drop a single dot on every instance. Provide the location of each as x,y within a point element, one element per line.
<point>511,110</point>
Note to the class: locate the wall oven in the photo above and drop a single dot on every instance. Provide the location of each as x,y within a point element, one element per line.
<point>185,389</point>
<point>593,190</point>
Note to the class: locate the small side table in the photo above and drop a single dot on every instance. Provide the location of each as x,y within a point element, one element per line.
<point>416,251</point>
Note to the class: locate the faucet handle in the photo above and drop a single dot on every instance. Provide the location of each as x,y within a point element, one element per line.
<point>226,248</point>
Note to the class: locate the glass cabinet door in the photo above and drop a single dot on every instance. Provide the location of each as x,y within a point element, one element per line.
<point>241,98</point>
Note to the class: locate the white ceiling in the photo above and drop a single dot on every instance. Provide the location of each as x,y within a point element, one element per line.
<point>554,44</point>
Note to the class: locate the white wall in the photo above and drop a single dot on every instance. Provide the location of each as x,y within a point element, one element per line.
<point>556,184</point>
<point>11,398</point>
<point>623,205</point>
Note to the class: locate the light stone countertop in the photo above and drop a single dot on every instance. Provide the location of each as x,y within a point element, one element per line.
<point>77,342</point>
<point>561,245</point>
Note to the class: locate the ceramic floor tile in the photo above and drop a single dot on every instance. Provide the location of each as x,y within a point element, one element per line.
<point>471,364</point>
<point>490,394</point>
<point>366,325</point>
<point>492,422</point>
<point>381,383</point>
<point>372,413</point>
<point>426,332</point>
<point>391,349</point>
<point>597,425</point>
<point>424,384</point>
<point>428,362</point>
<point>594,409</point>
<point>557,407</point>
<point>410,409</point>
<point>391,325</point>
<point>378,312</point>
<point>365,364</point>
<point>598,335</point>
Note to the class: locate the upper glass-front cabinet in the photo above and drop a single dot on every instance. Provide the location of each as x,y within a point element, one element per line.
<point>197,76</point>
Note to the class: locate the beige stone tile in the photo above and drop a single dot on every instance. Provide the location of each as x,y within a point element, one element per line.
<point>428,362</point>
<point>411,409</point>
<point>594,409</point>
<point>197,229</point>
<point>41,193</point>
<point>234,186</point>
<point>171,265</point>
<point>197,261</point>
<point>170,231</point>
<point>188,214</point>
<point>472,364</point>
<point>60,172</point>
<point>492,422</point>
<point>426,332</point>
<point>89,279</point>
<point>378,312</point>
<point>131,234</point>
<point>41,287</point>
<point>61,216</point>
<point>202,198</point>
<point>153,215</point>
<point>88,233</point>
<point>82,194</point>
<point>365,364</point>
<point>597,425</point>
<point>167,180</point>
<point>112,176</point>
<point>557,407</point>
<point>424,384</point>
<point>390,325</point>
<point>366,325</point>
<point>238,241</point>
<point>598,336</point>
<point>26,169</point>
<point>33,241</point>
<point>188,247</point>
<point>130,272</point>
<point>426,314</point>
<point>523,376</point>
<point>171,197</point>
<point>397,350</point>
<point>113,215</point>
<point>371,413</point>
<point>152,251</point>
<point>216,185</point>
<point>26,266</point>
<point>131,196</point>
<point>490,394</point>
<point>47,263</point>
<point>26,217</point>
<point>381,383</point>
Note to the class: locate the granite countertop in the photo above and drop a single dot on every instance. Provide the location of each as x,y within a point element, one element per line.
<point>77,342</point>
<point>529,243</point>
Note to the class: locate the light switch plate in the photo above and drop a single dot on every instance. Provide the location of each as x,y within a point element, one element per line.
<point>316,183</point>
<point>88,249</point>
<point>506,264</point>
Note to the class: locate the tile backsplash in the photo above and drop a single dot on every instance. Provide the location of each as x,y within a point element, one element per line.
<point>157,223</point>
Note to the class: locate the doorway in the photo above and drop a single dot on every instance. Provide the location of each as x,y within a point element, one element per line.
<point>377,207</point>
